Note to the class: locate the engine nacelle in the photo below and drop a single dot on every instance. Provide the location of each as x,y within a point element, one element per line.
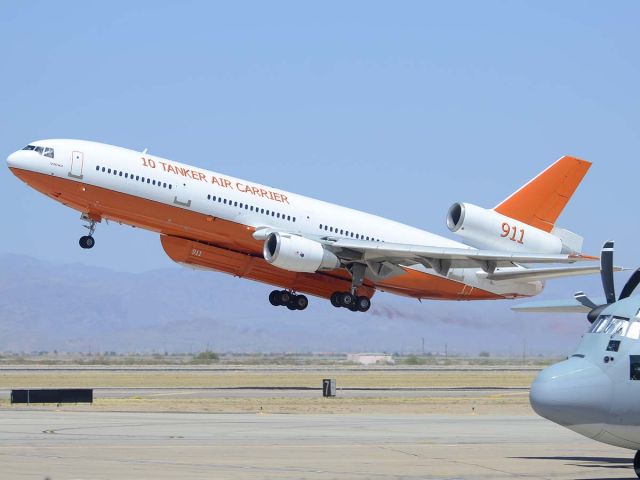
<point>488,229</point>
<point>298,254</point>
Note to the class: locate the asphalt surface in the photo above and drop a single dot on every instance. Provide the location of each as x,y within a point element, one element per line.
<point>38,444</point>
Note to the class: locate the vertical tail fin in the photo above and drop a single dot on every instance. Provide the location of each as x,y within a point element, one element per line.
<point>540,202</point>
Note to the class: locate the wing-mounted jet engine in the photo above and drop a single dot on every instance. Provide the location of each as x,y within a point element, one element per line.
<point>595,391</point>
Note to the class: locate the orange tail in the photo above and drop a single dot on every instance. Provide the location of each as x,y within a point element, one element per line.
<point>540,202</point>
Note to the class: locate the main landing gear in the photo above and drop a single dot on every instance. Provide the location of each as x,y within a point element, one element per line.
<point>285,298</point>
<point>87,241</point>
<point>351,300</point>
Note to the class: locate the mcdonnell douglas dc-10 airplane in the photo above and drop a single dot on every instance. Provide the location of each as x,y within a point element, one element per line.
<point>213,221</point>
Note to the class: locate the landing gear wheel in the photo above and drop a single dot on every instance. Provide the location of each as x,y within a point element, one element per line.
<point>87,241</point>
<point>274,298</point>
<point>301,302</point>
<point>335,299</point>
<point>285,297</point>
<point>291,305</point>
<point>347,300</point>
<point>363,304</point>
<point>636,463</point>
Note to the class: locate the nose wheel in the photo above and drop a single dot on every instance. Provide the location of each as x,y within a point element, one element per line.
<point>636,463</point>
<point>87,241</point>
<point>285,298</point>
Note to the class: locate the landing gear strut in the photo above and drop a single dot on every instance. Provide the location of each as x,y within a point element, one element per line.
<point>351,300</point>
<point>285,298</point>
<point>87,241</point>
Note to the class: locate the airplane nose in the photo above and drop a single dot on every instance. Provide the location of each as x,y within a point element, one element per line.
<point>574,393</point>
<point>12,159</point>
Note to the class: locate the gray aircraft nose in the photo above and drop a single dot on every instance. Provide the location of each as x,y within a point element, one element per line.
<point>574,393</point>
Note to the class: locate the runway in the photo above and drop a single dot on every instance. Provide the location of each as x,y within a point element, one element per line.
<point>37,444</point>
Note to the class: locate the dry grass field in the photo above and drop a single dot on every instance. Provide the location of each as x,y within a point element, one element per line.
<point>184,390</point>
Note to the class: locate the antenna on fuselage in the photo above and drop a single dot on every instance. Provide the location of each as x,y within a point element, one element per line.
<point>144,151</point>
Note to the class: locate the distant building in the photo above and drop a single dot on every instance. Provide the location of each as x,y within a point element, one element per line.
<point>370,358</point>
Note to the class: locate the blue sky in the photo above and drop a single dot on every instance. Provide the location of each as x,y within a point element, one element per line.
<point>396,108</point>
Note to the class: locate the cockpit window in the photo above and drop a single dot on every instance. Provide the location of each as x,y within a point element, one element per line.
<point>611,325</point>
<point>46,151</point>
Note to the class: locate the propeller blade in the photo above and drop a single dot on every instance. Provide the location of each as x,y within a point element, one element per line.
<point>584,300</point>
<point>606,271</point>
<point>631,284</point>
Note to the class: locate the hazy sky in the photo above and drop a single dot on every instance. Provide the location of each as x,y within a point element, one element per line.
<point>396,108</point>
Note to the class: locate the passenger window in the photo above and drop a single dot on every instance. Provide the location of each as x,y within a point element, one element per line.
<point>224,201</point>
<point>634,361</point>
<point>120,173</point>
<point>208,197</point>
<point>235,204</point>
<point>170,186</point>
<point>103,169</point>
<point>148,180</point>
<point>126,175</point>
<point>97,168</point>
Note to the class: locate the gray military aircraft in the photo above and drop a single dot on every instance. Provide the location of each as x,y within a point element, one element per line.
<point>596,391</point>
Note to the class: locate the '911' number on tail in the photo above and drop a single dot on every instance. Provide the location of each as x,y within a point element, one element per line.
<point>512,232</point>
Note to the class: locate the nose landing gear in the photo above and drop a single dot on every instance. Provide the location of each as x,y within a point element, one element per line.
<point>87,241</point>
<point>636,463</point>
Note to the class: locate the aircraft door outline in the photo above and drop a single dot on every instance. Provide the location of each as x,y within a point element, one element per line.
<point>182,195</point>
<point>77,164</point>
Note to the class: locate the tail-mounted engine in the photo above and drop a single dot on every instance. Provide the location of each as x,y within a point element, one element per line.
<point>298,254</point>
<point>488,229</point>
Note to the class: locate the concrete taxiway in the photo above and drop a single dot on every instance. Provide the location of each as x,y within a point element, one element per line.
<point>36,444</point>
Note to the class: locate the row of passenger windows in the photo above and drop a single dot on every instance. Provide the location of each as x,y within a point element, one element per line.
<point>346,233</point>
<point>251,208</point>
<point>137,178</point>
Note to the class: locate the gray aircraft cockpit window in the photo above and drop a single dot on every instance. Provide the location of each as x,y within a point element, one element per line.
<point>634,362</point>
<point>46,151</point>
<point>611,325</point>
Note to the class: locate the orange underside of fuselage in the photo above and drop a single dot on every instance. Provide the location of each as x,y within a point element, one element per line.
<point>204,241</point>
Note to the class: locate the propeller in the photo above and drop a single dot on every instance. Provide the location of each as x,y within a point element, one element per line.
<point>606,274</point>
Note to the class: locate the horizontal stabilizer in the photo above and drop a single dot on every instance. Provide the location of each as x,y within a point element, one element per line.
<point>544,273</point>
<point>555,306</point>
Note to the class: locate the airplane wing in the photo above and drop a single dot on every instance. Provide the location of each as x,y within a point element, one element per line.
<point>441,259</point>
<point>555,306</point>
<point>544,273</point>
<point>385,259</point>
